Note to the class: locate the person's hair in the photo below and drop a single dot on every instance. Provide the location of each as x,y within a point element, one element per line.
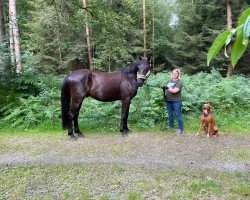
<point>179,73</point>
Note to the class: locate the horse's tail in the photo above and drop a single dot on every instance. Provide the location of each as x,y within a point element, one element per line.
<point>65,103</point>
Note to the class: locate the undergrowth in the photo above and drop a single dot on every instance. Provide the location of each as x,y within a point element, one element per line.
<point>30,102</point>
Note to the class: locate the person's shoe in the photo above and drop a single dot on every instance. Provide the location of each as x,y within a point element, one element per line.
<point>179,132</point>
<point>169,127</point>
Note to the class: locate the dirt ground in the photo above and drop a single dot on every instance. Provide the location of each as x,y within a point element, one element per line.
<point>227,152</point>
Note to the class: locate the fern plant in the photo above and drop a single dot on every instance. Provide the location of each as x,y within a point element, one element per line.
<point>147,109</point>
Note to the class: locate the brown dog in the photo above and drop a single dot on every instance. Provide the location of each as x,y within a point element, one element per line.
<point>208,121</point>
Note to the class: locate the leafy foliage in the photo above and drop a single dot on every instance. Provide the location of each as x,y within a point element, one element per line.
<point>240,44</point>
<point>147,108</point>
<point>193,32</point>
<point>53,43</point>
<point>30,99</point>
<point>179,33</point>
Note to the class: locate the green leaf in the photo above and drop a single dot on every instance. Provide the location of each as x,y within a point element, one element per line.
<point>237,50</point>
<point>217,45</point>
<point>243,17</point>
<point>229,39</point>
<point>246,31</point>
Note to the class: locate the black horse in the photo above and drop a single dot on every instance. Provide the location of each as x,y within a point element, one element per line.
<point>121,84</point>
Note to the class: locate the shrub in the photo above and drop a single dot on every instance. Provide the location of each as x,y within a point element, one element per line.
<point>42,103</point>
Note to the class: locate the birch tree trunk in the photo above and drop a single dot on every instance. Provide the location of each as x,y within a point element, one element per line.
<point>144,30</point>
<point>2,30</point>
<point>229,26</point>
<point>153,36</point>
<point>14,33</point>
<point>11,39</point>
<point>88,37</point>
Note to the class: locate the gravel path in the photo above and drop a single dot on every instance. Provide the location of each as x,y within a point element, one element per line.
<point>227,152</point>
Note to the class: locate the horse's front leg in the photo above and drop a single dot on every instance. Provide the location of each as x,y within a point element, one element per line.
<point>124,117</point>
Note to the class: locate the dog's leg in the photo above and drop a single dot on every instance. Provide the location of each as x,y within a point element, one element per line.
<point>199,131</point>
<point>208,130</point>
<point>216,131</point>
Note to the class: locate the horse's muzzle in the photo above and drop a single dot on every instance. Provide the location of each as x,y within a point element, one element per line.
<point>141,78</point>
<point>140,82</point>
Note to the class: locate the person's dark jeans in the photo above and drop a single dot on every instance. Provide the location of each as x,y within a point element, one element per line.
<point>175,107</point>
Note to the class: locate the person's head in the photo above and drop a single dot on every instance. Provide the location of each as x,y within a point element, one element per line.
<point>176,74</point>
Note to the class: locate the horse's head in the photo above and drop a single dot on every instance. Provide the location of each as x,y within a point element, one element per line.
<point>143,70</point>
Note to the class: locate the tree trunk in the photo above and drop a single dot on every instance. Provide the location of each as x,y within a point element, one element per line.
<point>2,33</point>
<point>153,37</point>
<point>2,22</point>
<point>88,37</point>
<point>14,32</point>
<point>144,29</point>
<point>229,26</point>
<point>11,40</point>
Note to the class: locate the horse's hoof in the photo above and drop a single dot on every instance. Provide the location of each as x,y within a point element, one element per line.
<point>72,138</point>
<point>125,132</point>
<point>80,135</point>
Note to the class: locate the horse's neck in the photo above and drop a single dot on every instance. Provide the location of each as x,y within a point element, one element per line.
<point>130,70</point>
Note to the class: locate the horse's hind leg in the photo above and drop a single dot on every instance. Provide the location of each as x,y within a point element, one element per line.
<point>79,94</point>
<point>70,127</point>
<point>74,112</point>
<point>77,129</point>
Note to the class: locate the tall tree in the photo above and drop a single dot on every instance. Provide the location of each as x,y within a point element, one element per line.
<point>229,27</point>
<point>2,22</point>
<point>144,29</point>
<point>2,29</point>
<point>88,36</point>
<point>15,36</point>
<point>11,39</point>
<point>193,33</point>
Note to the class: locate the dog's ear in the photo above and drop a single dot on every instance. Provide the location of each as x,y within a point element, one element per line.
<point>210,107</point>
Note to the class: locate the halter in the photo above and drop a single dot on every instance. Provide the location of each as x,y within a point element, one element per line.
<point>143,76</point>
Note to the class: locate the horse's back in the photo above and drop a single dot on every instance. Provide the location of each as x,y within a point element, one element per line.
<point>102,86</point>
<point>111,86</point>
<point>77,75</point>
<point>105,86</point>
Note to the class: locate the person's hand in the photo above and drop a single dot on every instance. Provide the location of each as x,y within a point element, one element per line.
<point>165,87</point>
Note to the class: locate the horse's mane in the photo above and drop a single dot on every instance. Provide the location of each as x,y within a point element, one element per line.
<point>130,69</point>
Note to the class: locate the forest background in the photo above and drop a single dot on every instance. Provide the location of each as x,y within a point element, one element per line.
<point>58,36</point>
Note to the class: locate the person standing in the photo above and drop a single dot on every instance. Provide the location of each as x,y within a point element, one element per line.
<point>172,92</point>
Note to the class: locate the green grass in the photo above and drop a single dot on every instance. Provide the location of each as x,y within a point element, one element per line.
<point>112,181</point>
<point>226,122</point>
<point>107,181</point>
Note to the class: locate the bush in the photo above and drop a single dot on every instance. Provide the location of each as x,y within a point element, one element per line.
<point>147,109</point>
<point>30,100</point>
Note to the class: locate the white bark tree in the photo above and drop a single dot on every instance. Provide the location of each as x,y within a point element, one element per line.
<point>88,37</point>
<point>144,29</point>
<point>2,29</point>
<point>229,27</point>
<point>14,37</point>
